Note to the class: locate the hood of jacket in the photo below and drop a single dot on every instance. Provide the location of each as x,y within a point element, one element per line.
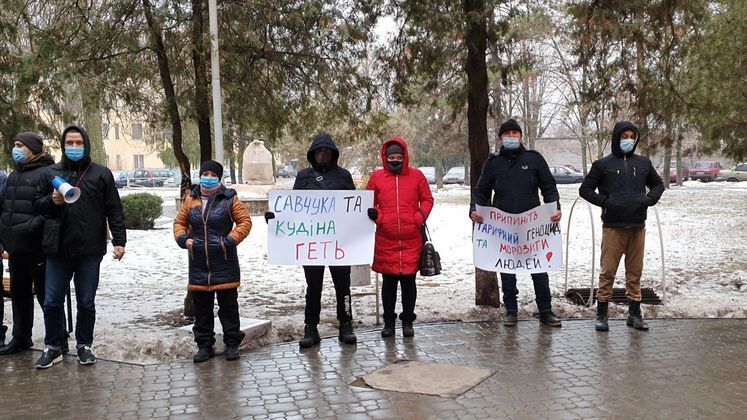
<point>320,141</point>
<point>621,127</point>
<point>401,143</point>
<point>67,163</point>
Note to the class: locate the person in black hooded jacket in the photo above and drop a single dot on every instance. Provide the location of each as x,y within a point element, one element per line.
<point>21,231</point>
<point>514,177</point>
<point>622,178</point>
<point>325,174</point>
<point>78,246</point>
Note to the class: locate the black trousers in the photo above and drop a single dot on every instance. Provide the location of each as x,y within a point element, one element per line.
<point>314,282</point>
<point>3,328</point>
<point>389,296</point>
<point>26,277</point>
<point>228,313</point>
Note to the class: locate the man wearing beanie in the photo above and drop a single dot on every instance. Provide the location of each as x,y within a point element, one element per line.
<point>21,231</point>
<point>74,242</point>
<point>513,177</point>
<point>324,173</point>
<point>628,185</point>
<point>211,223</point>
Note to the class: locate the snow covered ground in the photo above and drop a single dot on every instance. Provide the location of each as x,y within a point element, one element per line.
<point>140,298</point>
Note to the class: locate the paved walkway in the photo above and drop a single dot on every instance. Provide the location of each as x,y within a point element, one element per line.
<point>679,369</point>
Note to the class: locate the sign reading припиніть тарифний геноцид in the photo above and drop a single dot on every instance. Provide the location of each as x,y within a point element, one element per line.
<point>325,227</point>
<point>518,243</point>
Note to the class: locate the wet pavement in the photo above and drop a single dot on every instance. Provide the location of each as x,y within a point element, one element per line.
<point>679,369</point>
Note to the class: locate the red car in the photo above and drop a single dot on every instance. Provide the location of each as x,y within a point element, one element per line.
<point>705,171</point>
<point>685,172</point>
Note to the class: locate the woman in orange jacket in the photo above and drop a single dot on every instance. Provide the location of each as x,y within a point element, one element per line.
<point>210,224</point>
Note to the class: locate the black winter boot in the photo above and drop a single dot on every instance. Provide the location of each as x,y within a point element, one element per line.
<point>601,324</point>
<point>388,329</point>
<point>635,319</point>
<point>407,329</point>
<point>232,352</point>
<point>3,330</point>
<point>346,332</point>
<point>510,320</point>
<point>549,318</point>
<point>15,346</point>
<point>310,337</point>
<point>203,354</point>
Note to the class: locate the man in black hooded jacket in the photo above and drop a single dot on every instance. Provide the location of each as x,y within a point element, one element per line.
<point>21,229</point>
<point>514,177</point>
<point>325,174</point>
<point>78,246</point>
<point>622,178</point>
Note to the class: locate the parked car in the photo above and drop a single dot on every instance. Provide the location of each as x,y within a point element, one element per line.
<point>565,175</point>
<point>684,172</point>
<point>735,173</point>
<point>120,178</point>
<point>455,175</point>
<point>430,173</point>
<point>286,171</point>
<point>149,177</point>
<point>705,171</point>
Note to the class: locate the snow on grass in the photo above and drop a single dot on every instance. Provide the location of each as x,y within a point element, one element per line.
<point>140,298</point>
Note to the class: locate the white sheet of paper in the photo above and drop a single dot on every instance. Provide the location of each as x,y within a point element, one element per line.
<point>324,227</point>
<point>518,243</point>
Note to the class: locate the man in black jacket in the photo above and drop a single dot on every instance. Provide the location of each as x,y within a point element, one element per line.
<point>514,176</point>
<point>325,174</point>
<point>21,231</point>
<point>622,178</point>
<point>79,244</point>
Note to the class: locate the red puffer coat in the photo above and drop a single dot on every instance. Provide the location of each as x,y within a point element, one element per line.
<point>404,202</point>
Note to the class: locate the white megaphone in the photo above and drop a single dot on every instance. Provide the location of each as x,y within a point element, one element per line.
<point>69,193</point>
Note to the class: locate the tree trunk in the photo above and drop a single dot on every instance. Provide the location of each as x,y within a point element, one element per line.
<point>156,39</point>
<point>439,173</point>
<point>475,37</point>
<point>202,101</point>
<point>172,108</point>
<point>92,121</point>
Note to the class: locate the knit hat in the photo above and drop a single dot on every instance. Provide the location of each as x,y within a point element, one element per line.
<point>32,141</point>
<point>509,125</point>
<point>212,166</point>
<point>394,148</point>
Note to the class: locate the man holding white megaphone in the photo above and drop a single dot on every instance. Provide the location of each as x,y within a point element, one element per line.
<point>69,193</point>
<point>78,197</point>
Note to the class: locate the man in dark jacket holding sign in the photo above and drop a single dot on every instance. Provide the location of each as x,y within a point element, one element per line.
<point>622,178</point>
<point>513,177</point>
<point>21,228</point>
<point>325,174</point>
<point>76,243</point>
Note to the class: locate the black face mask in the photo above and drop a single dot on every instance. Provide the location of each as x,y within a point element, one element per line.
<point>395,167</point>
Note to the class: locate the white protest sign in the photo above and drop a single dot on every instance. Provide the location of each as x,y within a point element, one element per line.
<point>323,227</point>
<point>518,243</point>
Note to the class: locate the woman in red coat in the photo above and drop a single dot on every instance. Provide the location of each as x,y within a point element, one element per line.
<point>402,203</point>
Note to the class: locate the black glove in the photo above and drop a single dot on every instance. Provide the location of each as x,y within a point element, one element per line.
<point>269,215</point>
<point>373,214</point>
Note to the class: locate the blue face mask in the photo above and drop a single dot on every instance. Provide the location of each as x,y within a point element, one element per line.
<point>209,182</point>
<point>18,155</point>
<point>75,153</point>
<point>627,145</point>
<point>511,143</point>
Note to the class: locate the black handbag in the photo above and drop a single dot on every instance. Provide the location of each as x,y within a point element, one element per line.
<point>430,261</point>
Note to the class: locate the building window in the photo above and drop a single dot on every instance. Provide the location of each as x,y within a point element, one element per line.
<point>116,131</point>
<point>119,162</point>
<point>138,161</point>
<point>106,160</point>
<point>137,131</point>
<point>104,131</point>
